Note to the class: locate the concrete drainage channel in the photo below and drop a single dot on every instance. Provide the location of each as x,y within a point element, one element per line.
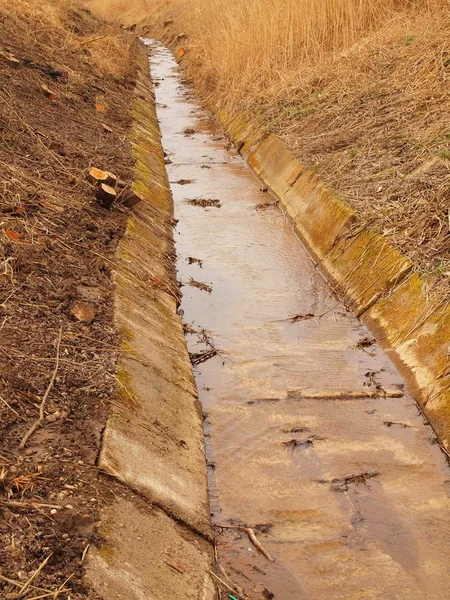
<point>311,439</point>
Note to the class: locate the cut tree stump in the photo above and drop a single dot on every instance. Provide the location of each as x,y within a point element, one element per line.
<point>129,198</point>
<point>97,177</point>
<point>106,195</point>
<point>112,179</point>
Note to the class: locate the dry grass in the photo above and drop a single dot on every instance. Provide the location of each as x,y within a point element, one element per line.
<point>54,28</point>
<point>253,46</point>
<point>359,90</point>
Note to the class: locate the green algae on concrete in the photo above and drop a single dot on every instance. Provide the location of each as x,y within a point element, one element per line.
<point>153,441</point>
<point>364,269</point>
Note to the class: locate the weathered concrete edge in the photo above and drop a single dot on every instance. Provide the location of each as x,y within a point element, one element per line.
<point>157,399</point>
<point>375,280</point>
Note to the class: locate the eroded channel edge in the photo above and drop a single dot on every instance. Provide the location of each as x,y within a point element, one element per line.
<point>377,282</point>
<point>155,536</point>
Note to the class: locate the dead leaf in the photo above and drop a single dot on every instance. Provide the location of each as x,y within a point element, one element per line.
<point>83,311</point>
<point>181,52</point>
<point>49,93</point>
<point>100,107</point>
<point>13,235</point>
<point>107,128</point>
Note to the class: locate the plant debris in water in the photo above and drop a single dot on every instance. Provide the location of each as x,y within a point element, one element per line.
<point>342,485</point>
<point>204,202</point>
<point>201,357</point>
<point>297,318</point>
<point>266,205</point>
<point>192,260</point>
<point>200,285</point>
<point>294,443</point>
<point>366,343</point>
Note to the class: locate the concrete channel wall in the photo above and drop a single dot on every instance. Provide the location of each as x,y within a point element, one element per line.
<point>156,532</point>
<point>376,281</point>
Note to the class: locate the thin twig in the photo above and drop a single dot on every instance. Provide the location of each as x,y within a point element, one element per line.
<point>252,537</point>
<point>18,504</point>
<point>11,408</point>
<point>230,589</point>
<point>38,423</point>
<point>25,587</point>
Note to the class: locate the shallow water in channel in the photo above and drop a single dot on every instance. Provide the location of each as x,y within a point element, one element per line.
<point>348,493</point>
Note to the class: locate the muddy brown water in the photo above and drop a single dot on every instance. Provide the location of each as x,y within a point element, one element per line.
<point>348,493</point>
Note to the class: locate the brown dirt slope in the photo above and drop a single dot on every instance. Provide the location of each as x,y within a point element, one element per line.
<point>57,248</point>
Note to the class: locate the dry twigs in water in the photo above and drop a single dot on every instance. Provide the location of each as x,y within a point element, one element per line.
<point>192,260</point>
<point>307,316</point>
<point>200,285</point>
<point>204,202</point>
<point>200,357</point>
<point>38,423</point>
<point>252,537</point>
<point>266,205</point>
<point>297,318</point>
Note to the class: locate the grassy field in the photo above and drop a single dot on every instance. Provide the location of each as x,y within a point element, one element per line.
<point>359,90</point>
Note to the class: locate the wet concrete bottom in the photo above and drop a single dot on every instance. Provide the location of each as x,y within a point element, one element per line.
<point>348,492</point>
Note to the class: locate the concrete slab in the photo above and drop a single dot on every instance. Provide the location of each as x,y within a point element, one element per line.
<point>147,556</point>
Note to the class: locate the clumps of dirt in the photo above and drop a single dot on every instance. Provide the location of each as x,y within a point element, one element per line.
<point>204,202</point>
<point>58,342</point>
<point>184,181</point>
<point>200,285</point>
<point>189,329</point>
<point>188,132</point>
<point>342,485</point>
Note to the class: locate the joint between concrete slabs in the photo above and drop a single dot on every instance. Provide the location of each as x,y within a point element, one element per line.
<point>384,299</point>
<point>186,526</point>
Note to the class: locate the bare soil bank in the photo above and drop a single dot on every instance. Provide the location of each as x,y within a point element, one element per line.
<point>58,249</point>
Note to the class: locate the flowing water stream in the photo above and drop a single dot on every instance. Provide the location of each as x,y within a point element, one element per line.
<point>348,493</point>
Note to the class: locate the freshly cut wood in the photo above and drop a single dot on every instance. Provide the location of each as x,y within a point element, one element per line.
<point>129,198</point>
<point>10,60</point>
<point>97,176</point>
<point>48,93</point>
<point>106,195</point>
<point>112,179</point>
